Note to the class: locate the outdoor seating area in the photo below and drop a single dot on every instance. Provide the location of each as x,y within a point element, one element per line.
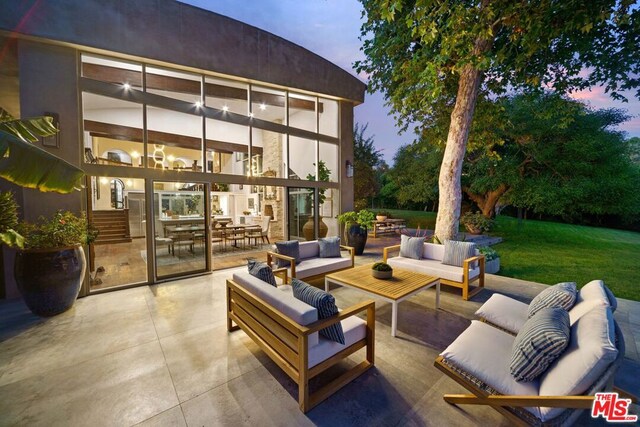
<point>196,372</point>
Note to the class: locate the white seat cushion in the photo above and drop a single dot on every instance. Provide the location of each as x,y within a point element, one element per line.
<point>504,312</point>
<point>354,330</point>
<point>432,268</point>
<point>284,302</point>
<point>485,352</point>
<point>312,266</point>
<point>591,350</point>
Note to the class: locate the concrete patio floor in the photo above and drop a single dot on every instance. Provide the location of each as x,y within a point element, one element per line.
<point>161,355</point>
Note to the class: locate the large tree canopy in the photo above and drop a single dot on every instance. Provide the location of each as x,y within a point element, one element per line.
<point>428,57</point>
<point>367,160</point>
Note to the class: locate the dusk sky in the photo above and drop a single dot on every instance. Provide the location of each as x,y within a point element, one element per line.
<point>330,28</point>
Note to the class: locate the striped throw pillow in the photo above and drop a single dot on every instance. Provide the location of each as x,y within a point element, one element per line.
<point>560,295</point>
<point>456,252</point>
<point>324,302</point>
<point>411,247</point>
<point>288,248</point>
<point>539,343</point>
<point>262,271</point>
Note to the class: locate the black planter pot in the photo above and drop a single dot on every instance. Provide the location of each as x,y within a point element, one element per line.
<point>49,280</point>
<point>356,237</point>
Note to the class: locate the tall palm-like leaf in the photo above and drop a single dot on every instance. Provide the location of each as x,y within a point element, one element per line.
<point>27,165</point>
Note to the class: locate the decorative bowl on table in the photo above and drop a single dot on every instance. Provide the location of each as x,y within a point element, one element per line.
<point>381,217</point>
<point>382,270</point>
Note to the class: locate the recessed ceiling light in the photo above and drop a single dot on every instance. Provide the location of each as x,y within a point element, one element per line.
<point>198,104</point>
<point>250,114</point>
<point>126,86</point>
<point>263,107</point>
<point>225,108</point>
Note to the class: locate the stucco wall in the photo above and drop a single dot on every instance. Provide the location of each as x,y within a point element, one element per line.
<point>173,32</point>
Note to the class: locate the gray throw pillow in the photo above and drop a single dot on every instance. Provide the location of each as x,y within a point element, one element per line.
<point>411,247</point>
<point>324,302</point>
<point>288,248</point>
<point>560,295</point>
<point>262,271</point>
<point>541,340</point>
<point>456,252</point>
<point>329,247</point>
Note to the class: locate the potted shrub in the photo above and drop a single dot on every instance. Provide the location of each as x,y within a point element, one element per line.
<point>356,225</point>
<point>476,223</point>
<point>324,174</point>
<point>50,269</point>
<point>492,259</point>
<point>382,216</point>
<point>381,270</point>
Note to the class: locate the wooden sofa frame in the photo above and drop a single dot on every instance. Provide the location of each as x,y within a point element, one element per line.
<point>274,255</point>
<point>465,285</point>
<point>286,342</point>
<point>509,405</point>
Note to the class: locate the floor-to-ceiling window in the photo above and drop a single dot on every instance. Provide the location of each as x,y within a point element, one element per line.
<point>256,146</point>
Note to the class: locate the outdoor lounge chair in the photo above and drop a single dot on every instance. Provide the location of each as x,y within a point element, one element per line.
<point>479,360</point>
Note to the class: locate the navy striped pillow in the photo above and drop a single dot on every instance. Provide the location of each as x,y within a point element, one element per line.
<point>539,343</point>
<point>262,271</point>
<point>324,302</point>
<point>560,295</point>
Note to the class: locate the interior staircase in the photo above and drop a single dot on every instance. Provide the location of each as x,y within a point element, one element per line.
<point>113,226</point>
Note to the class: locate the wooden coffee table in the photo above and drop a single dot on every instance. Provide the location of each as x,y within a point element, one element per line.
<point>401,286</point>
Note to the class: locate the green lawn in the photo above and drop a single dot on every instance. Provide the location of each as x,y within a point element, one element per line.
<point>550,252</point>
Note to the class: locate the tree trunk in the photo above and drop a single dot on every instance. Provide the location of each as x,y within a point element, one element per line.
<point>487,202</point>
<point>450,193</point>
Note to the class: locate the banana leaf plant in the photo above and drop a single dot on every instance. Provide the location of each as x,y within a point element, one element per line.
<point>27,165</point>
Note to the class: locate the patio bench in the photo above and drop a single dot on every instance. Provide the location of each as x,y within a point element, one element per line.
<point>286,329</point>
<point>431,264</point>
<point>311,267</point>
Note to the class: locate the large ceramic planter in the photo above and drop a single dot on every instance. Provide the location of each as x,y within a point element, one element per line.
<point>357,237</point>
<point>493,266</point>
<point>49,280</point>
<point>307,229</point>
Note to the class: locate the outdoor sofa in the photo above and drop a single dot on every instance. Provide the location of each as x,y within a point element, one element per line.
<point>286,329</point>
<point>481,359</point>
<point>431,264</point>
<point>311,266</point>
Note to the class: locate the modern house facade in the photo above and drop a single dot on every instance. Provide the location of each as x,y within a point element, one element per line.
<point>182,119</point>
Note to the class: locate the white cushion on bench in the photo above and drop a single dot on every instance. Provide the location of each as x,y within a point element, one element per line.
<point>354,330</point>
<point>281,300</point>
<point>433,251</point>
<point>312,266</point>
<point>504,312</point>
<point>591,350</point>
<point>432,267</point>
<point>485,352</point>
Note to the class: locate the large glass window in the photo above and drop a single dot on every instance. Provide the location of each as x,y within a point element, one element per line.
<point>226,142</point>
<point>175,140</point>
<point>118,257</point>
<point>302,112</point>
<point>301,219</point>
<point>175,84</point>
<point>112,131</point>
<point>272,146</point>
<point>181,237</point>
<point>127,74</point>
<point>227,95</point>
<point>268,104</point>
<point>328,117</point>
<point>329,158</point>
<point>302,155</point>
